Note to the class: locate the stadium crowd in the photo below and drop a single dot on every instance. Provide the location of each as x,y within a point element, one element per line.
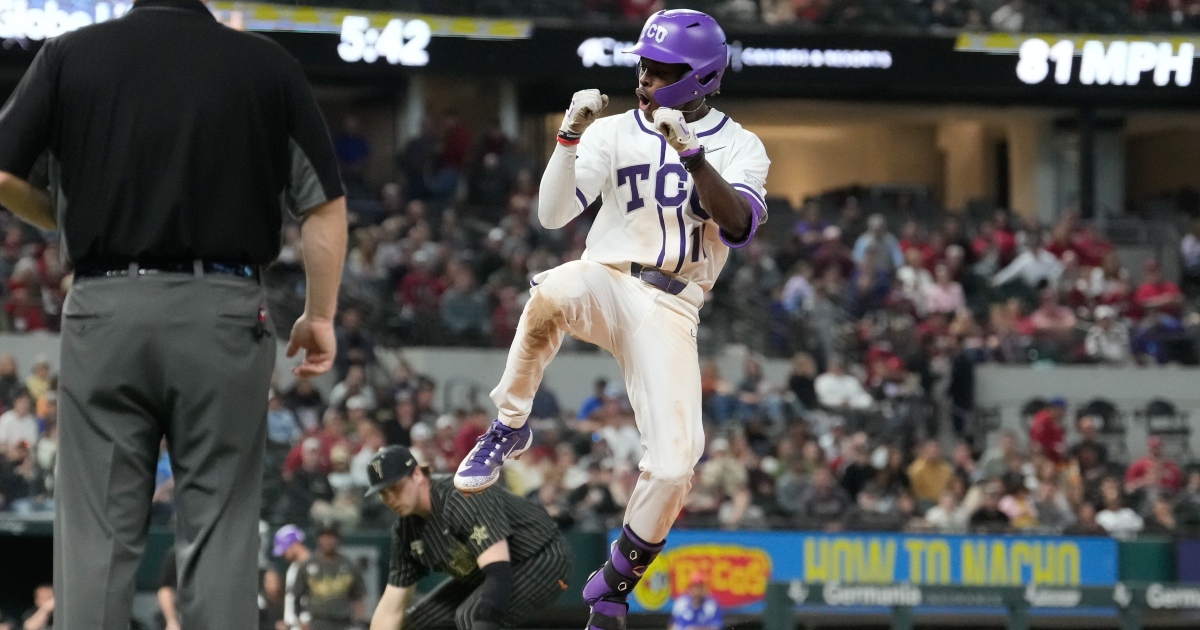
<point>780,455</point>
<point>444,254</point>
<point>1086,16</point>
<point>885,317</point>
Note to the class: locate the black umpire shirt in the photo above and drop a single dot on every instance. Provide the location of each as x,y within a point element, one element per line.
<point>460,528</point>
<point>167,136</point>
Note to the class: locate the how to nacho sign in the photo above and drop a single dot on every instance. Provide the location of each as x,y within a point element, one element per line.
<point>737,566</point>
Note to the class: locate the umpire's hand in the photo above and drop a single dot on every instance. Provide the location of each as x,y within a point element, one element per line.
<point>317,339</point>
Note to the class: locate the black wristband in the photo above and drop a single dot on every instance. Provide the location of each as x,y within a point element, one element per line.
<point>493,594</point>
<point>569,137</point>
<point>693,162</point>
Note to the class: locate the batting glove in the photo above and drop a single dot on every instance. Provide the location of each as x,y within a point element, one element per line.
<point>586,106</point>
<point>670,123</point>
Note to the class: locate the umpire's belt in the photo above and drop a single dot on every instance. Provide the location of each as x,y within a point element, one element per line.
<point>191,267</point>
<point>658,279</point>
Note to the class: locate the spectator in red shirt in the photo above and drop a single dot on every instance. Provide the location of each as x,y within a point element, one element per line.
<point>1158,292</point>
<point>1141,472</point>
<point>1061,242</point>
<point>1110,284</point>
<point>1003,238</point>
<point>445,440</point>
<point>810,11</point>
<point>1091,247</point>
<point>332,433</point>
<point>456,142</point>
<point>638,10</point>
<point>421,289</point>
<point>50,273</point>
<point>473,426</point>
<point>910,238</point>
<point>1046,434</point>
<point>1053,324</point>
<point>24,308</point>
<point>833,253</point>
<point>935,250</point>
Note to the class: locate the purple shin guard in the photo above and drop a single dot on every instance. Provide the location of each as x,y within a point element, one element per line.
<point>607,589</point>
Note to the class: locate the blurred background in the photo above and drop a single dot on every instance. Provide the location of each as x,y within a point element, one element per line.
<point>962,351</point>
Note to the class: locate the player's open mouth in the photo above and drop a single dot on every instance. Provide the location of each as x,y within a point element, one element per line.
<point>643,100</point>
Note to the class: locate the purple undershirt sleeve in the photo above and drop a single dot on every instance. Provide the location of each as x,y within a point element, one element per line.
<point>756,214</point>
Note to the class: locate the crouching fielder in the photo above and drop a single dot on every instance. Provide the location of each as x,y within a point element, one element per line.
<point>681,183</point>
<point>505,557</point>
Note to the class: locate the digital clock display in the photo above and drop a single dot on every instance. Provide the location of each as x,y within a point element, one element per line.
<point>401,42</point>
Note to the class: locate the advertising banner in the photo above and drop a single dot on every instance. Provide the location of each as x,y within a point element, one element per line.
<point>739,565</point>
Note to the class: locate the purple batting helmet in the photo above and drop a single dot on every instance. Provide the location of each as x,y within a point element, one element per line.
<point>287,536</point>
<point>688,37</point>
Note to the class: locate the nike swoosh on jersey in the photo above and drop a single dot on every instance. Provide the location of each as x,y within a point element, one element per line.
<point>708,150</point>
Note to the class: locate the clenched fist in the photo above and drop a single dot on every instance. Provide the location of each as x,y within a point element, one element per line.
<point>586,106</point>
<point>670,123</point>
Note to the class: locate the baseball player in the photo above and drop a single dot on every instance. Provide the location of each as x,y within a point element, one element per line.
<point>505,556</point>
<point>681,183</point>
<point>289,545</point>
<point>327,589</point>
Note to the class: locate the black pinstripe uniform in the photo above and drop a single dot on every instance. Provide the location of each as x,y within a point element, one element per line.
<point>458,530</point>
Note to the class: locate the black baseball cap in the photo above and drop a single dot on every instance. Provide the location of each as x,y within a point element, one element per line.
<point>389,466</point>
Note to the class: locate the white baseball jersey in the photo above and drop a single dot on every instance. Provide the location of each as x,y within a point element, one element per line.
<point>651,213</point>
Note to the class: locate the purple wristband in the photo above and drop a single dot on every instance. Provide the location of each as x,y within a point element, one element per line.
<point>690,152</point>
<point>756,213</point>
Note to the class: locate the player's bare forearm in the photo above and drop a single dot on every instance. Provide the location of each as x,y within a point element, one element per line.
<point>166,603</point>
<point>30,203</point>
<point>496,553</point>
<point>324,236</point>
<point>723,202</point>
<point>389,612</point>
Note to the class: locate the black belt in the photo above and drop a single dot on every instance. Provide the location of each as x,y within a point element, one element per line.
<point>658,279</point>
<point>191,267</point>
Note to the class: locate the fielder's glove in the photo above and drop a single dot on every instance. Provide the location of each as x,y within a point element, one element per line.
<point>586,106</point>
<point>670,123</point>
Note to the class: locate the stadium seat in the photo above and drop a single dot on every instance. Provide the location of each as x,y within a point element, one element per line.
<point>1112,426</point>
<point>1164,419</point>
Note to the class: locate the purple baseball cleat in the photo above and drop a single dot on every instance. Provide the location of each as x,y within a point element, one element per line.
<point>481,467</point>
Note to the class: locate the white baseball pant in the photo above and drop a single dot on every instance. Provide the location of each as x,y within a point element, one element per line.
<point>652,335</point>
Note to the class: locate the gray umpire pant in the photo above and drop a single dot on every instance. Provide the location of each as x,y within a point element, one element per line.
<point>142,357</point>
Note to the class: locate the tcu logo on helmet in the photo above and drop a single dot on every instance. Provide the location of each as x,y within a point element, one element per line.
<point>656,32</point>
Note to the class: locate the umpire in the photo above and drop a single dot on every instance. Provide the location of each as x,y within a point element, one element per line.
<point>169,144</point>
<point>505,556</point>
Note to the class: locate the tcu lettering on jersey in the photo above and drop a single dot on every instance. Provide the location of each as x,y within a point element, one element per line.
<point>651,213</point>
